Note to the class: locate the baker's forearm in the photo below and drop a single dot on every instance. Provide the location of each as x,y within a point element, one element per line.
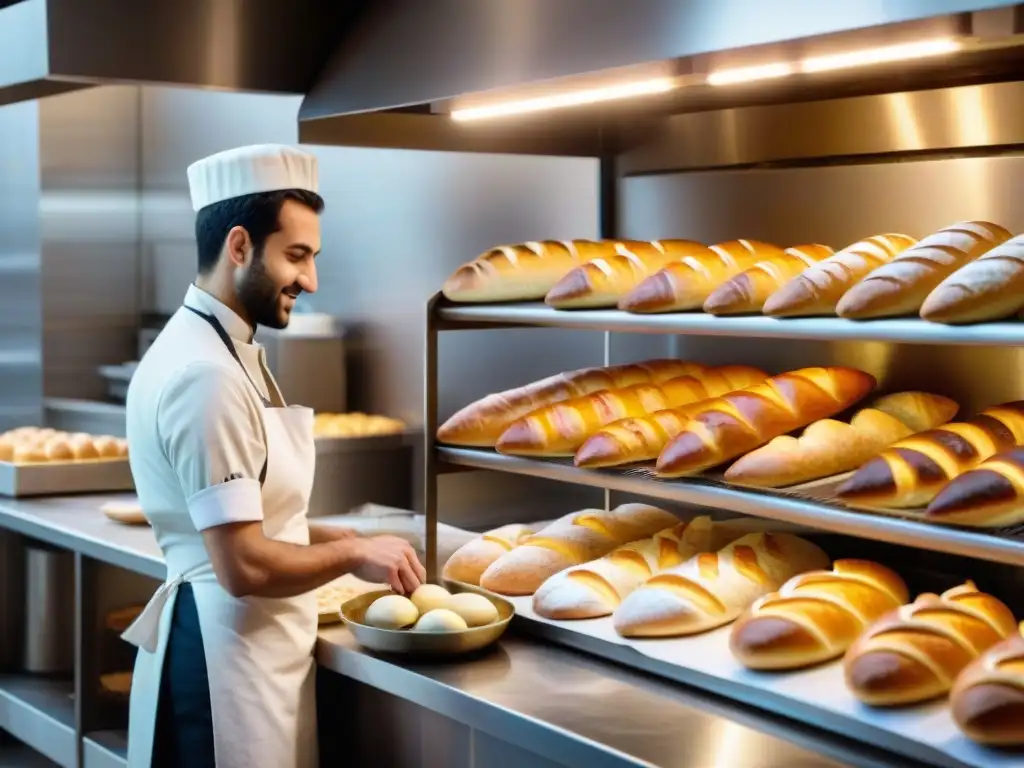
<point>248,563</point>
<point>320,533</point>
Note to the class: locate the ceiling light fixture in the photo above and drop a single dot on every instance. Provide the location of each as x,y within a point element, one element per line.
<point>869,56</point>
<point>749,74</point>
<point>570,99</point>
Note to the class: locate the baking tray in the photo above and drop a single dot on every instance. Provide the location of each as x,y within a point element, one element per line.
<point>55,478</point>
<point>816,696</point>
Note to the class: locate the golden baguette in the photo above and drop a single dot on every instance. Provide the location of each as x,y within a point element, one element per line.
<point>687,283</point>
<point>635,440</point>
<point>911,472</point>
<point>987,699</point>
<point>571,540</point>
<point>830,447</point>
<point>748,291</point>
<point>560,429</point>
<point>815,616</point>
<point>470,560</point>
<point>989,496</point>
<point>597,588</point>
<point>914,653</point>
<point>714,588</point>
<point>901,286</point>
<point>988,288</point>
<point>481,423</point>
<point>520,272</point>
<point>818,289</point>
<point>731,425</point>
<point>601,282</point>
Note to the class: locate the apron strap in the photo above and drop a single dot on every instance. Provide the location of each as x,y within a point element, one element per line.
<point>226,340</point>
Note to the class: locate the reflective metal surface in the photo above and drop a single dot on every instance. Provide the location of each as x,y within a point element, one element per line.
<point>457,51</point>
<point>47,46</point>
<point>979,116</point>
<point>789,509</point>
<point>911,331</point>
<point>578,711</point>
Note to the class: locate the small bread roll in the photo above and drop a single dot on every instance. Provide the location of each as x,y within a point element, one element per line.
<point>106,446</point>
<point>429,597</point>
<point>6,451</point>
<point>391,612</point>
<point>476,609</point>
<point>83,447</point>
<point>440,620</point>
<point>58,449</point>
<point>122,447</point>
<point>30,454</point>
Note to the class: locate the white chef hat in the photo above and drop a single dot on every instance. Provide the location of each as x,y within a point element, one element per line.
<point>249,170</point>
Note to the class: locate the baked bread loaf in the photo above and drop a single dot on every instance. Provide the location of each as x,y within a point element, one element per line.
<point>815,616</point>
<point>559,429</point>
<point>748,291</point>
<point>817,289</point>
<point>914,653</point>
<point>43,445</point>
<point>470,560</point>
<point>910,473</point>
<point>989,496</point>
<point>598,587</point>
<point>734,424</point>
<point>687,283</point>
<point>988,288</point>
<point>988,696</point>
<point>482,422</point>
<point>601,282</point>
<point>571,540</point>
<point>830,447</point>
<point>711,589</point>
<point>521,272</point>
<point>355,424</point>
<point>901,286</point>
<point>635,440</point>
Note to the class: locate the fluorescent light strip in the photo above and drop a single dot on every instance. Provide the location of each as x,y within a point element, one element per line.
<point>871,56</point>
<point>749,74</point>
<point>571,99</point>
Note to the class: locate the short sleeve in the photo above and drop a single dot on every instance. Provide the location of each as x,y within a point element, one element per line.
<point>212,434</point>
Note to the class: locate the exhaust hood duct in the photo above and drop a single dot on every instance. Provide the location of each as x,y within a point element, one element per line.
<point>393,79</point>
<point>52,46</point>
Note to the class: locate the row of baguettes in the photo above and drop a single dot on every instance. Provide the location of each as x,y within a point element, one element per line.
<point>688,418</point>
<point>788,609</point>
<point>968,272</point>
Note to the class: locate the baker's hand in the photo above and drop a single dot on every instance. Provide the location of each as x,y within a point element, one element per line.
<point>386,559</point>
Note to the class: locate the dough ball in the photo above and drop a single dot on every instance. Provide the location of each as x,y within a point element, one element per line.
<point>391,612</point>
<point>29,454</point>
<point>475,609</point>
<point>106,446</point>
<point>58,449</point>
<point>430,596</point>
<point>440,620</point>
<point>83,448</point>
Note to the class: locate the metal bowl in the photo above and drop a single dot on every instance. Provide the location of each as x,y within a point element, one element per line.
<point>409,643</point>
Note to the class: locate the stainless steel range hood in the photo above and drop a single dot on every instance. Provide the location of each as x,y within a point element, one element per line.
<point>52,46</point>
<point>394,79</point>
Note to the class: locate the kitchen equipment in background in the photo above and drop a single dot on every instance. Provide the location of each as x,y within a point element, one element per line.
<point>351,471</point>
<point>12,597</point>
<point>117,378</point>
<point>49,610</point>
<point>308,360</point>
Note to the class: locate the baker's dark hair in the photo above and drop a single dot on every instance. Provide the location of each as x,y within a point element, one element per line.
<point>257,213</point>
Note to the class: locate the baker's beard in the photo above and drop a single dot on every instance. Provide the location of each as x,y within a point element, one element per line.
<point>261,298</point>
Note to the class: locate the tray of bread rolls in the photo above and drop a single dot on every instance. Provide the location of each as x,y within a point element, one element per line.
<point>357,431</point>
<point>38,461</point>
<point>767,617</point>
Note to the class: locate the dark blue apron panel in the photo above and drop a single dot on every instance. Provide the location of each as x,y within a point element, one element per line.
<point>184,720</point>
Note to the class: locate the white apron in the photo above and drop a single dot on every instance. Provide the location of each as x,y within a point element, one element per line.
<point>259,651</point>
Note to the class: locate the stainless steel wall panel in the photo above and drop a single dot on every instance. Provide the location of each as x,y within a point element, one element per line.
<point>89,215</point>
<point>20,307</point>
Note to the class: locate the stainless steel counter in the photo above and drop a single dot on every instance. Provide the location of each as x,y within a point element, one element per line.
<point>569,708</point>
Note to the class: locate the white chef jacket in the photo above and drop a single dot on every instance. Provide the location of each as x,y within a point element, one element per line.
<point>195,424</point>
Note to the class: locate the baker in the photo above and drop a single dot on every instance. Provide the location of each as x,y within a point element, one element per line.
<point>224,674</point>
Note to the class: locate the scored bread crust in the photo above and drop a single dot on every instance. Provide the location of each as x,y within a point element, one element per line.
<point>470,560</point>
<point>748,291</point>
<point>989,288</point>
<point>988,698</point>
